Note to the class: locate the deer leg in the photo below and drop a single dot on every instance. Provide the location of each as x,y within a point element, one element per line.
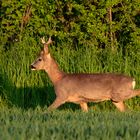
<point>56,104</point>
<point>84,106</point>
<point>120,105</point>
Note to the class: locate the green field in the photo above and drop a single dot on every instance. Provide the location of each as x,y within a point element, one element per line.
<point>18,124</point>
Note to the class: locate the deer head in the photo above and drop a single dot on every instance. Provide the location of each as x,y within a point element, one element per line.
<point>43,61</point>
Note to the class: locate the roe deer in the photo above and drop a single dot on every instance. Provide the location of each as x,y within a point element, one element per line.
<point>84,88</point>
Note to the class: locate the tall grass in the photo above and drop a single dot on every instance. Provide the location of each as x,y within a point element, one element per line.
<point>26,88</point>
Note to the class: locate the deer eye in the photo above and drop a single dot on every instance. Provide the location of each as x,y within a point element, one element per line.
<point>39,59</point>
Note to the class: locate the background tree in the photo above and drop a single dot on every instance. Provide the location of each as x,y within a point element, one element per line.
<point>89,22</point>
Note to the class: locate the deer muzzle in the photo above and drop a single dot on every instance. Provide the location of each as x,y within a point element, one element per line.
<point>33,67</point>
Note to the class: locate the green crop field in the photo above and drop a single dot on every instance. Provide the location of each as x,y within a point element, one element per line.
<point>18,124</point>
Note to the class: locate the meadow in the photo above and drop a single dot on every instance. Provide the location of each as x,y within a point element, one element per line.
<point>25,95</point>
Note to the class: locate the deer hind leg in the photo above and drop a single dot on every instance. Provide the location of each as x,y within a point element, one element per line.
<point>84,106</point>
<point>120,105</point>
<point>56,104</point>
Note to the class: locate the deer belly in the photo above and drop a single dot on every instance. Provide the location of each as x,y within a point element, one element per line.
<point>94,96</point>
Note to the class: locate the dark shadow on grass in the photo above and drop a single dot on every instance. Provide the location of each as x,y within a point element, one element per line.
<point>29,97</point>
<point>26,97</point>
<point>42,97</point>
<point>33,97</point>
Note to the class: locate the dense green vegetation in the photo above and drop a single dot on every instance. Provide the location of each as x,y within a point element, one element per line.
<point>89,36</point>
<point>75,22</point>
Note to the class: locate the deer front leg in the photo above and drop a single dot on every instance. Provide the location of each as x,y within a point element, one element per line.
<point>56,104</point>
<point>84,106</point>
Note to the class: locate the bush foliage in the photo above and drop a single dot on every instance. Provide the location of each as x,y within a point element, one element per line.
<point>89,22</point>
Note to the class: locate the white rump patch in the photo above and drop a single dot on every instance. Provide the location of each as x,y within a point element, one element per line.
<point>133,83</point>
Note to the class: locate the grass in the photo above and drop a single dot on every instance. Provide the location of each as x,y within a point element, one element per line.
<point>68,125</point>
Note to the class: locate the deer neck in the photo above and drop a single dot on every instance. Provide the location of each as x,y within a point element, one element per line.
<point>54,73</point>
